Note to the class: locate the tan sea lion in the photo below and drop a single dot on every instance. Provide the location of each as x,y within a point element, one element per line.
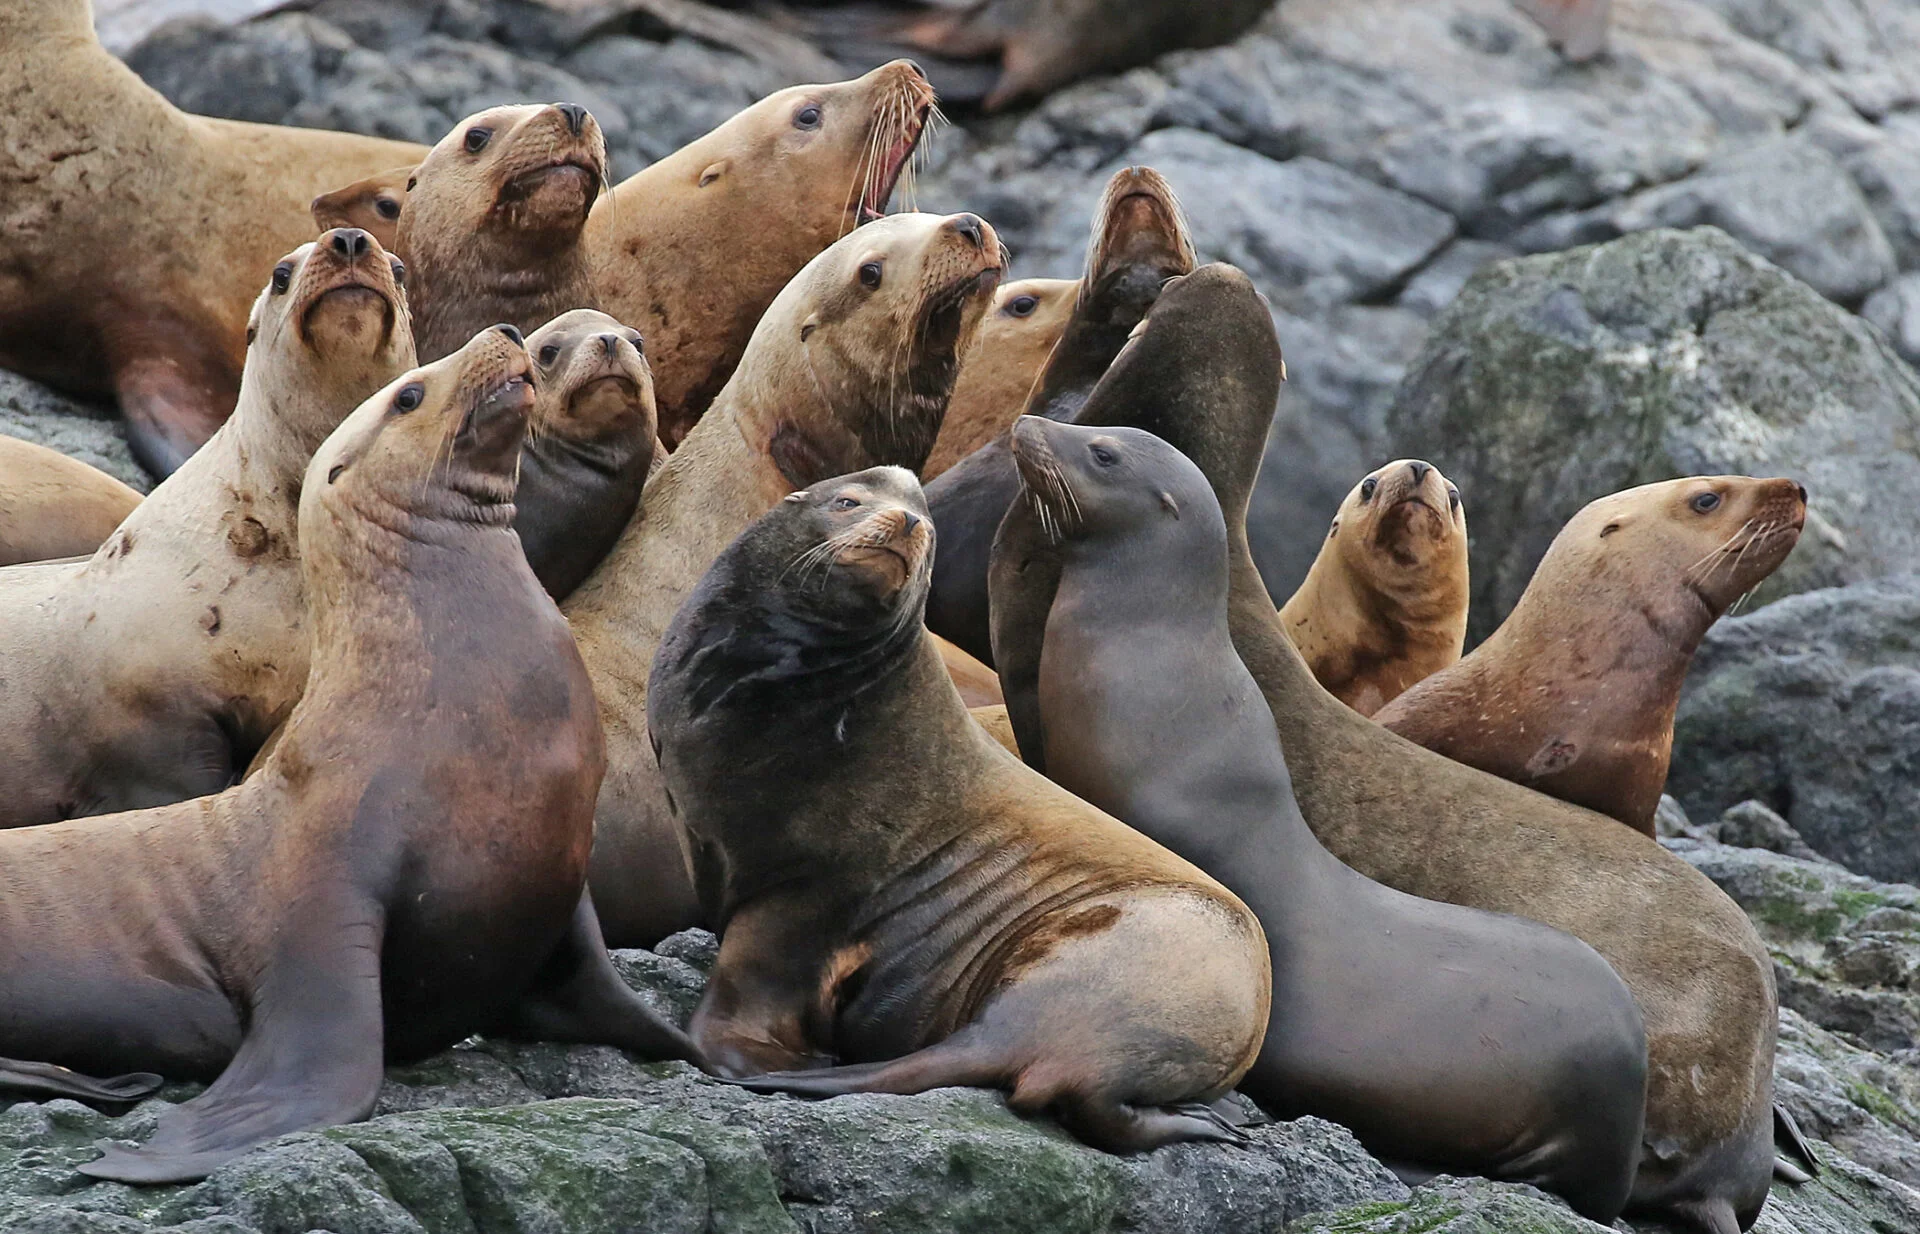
<point>1203,374</point>
<point>976,682</point>
<point>132,235</point>
<point>946,919</point>
<point>851,367</point>
<point>1002,369</point>
<point>1385,603</point>
<point>373,205</point>
<point>493,223</point>
<point>55,506</point>
<point>151,671</point>
<point>693,249</point>
<point>408,866</point>
<point>1574,694</point>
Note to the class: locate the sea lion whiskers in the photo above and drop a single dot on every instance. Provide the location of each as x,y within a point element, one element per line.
<point>1713,558</point>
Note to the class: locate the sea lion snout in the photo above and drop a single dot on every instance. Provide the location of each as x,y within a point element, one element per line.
<point>575,115</point>
<point>350,243</point>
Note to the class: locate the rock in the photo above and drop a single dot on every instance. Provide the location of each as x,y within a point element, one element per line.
<point>1812,706</point>
<point>90,433</point>
<point>1847,43</point>
<point>1895,308</point>
<point>1752,825</point>
<point>1456,1206</point>
<point>1556,379</point>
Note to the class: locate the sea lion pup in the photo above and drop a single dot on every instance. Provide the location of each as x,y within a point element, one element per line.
<point>1203,375</point>
<point>55,506</point>
<point>791,174</point>
<point>1513,1051</point>
<point>1139,241</point>
<point>406,868</point>
<point>493,223</point>
<point>590,448</point>
<point>132,235</point>
<point>373,205</point>
<point>947,919</point>
<point>151,671</point>
<point>1003,367</point>
<point>1574,694</point>
<point>850,368</point>
<point>1385,603</point>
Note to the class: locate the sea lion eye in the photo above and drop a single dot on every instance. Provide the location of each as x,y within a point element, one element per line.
<point>386,208</point>
<point>870,275</point>
<point>549,354</point>
<point>1366,488</point>
<point>1103,456</point>
<point>399,272</point>
<point>409,397</point>
<point>1023,306</point>
<point>1453,499</point>
<point>282,276</point>
<point>477,139</point>
<point>1705,503</point>
<point>807,117</point>
<point>845,503</point>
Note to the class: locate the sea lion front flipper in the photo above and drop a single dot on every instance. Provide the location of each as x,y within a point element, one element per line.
<point>170,409</point>
<point>1021,581</point>
<point>1787,1137</point>
<point>45,1079</point>
<point>312,1056</point>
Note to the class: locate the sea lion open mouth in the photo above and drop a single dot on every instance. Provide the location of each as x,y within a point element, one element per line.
<point>904,115</point>
<point>946,309</point>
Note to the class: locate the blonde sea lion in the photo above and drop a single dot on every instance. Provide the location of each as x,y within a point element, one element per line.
<point>408,866</point>
<point>373,205</point>
<point>1385,603</point>
<point>54,506</point>
<point>693,249</point>
<point>851,367</point>
<point>1574,694</point>
<point>1003,367</point>
<point>132,234</point>
<point>151,671</point>
<point>976,682</point>
<point>951,918</point>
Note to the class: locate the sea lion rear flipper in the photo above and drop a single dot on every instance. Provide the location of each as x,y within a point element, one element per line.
<point>169,410</point>
<point>1788,1138</point>
<point>45,1079</point>
<point>312,1057</point>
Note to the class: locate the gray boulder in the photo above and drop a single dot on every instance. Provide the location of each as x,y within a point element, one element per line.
<point>91,433</point>
<point>1895,308</point>
<point>1556,379</point>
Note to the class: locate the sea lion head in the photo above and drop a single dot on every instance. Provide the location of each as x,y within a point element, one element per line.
<point>373,205</point>
<point>1139,241</point>
<point>517,179</point>
<point>594,384</point>
<point>1003,368</point>
<point>1402,534</point>
<point>1088,485</point>
<point>860,351</point>
<point>436,449</point>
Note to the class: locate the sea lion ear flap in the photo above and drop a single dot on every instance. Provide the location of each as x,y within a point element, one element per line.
<point>1172,507</point>
<point>713,172</point>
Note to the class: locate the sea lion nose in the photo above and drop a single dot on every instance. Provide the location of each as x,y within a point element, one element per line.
<point>576,115</point>
<point>1419,470</point>
<point>512,332</point>
<point>609,343</point>
<point>1802,490</point>
<point>970,226</point>
<point>350,242</point>
<point>908,521</point>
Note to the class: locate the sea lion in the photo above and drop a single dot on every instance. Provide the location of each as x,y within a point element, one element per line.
<point>132,234</point>
<point>54,506</point>
<point>976,682</point>
<point>1003,367</point>
<point>408,866</point>
<point>1513,1050</point>
<point>851,367</point>
<point>1385,603</point>
<point>694,248</point>
<point>590,449</point>
<point>1203,375</point>
<point>373,205</point>
<point>1574,694</point>
<point>1139,241</point>
<point>150,672</point>
<point>946,919</point>
<point>493,223</point>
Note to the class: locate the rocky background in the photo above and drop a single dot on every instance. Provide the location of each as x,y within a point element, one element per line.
<point>1700,253</point>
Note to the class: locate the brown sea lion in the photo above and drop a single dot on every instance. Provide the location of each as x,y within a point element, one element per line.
<point>976,682</point>
<point>1003,367</point>
<point>1385,603</point>
<point>1139,241</point>
<point>55,506</point>
<point>1203,375</point>
<point>373,205</point>
<point>590,449</point>
<point>493,223</point>
<point>1513,1050</point>
<point>1574,694</point>
<point>851,367</point>
<point>407,868</point>
<point>132,234</point>
<point>947,919</point>
<point>692,250</point>
<point>150,672</point>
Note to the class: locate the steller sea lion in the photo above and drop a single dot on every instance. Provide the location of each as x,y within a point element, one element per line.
<point>976,682</point>
<point>493,223</point>
<point>945,919</point>
<point>851,367</point>
<point>406,868</point>
<point>1574,694</point>
<point>373,205</point>
<point>54,506</point>
<point>1203,374</point>
<point>132,234</point>
<point>151,671</point>
<point>1139,241</point>
<point>693,249</point>
<point>1003,367</point>
<point>1385,603</point>
<point>1512,1050</point>
<point>590,448</point>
